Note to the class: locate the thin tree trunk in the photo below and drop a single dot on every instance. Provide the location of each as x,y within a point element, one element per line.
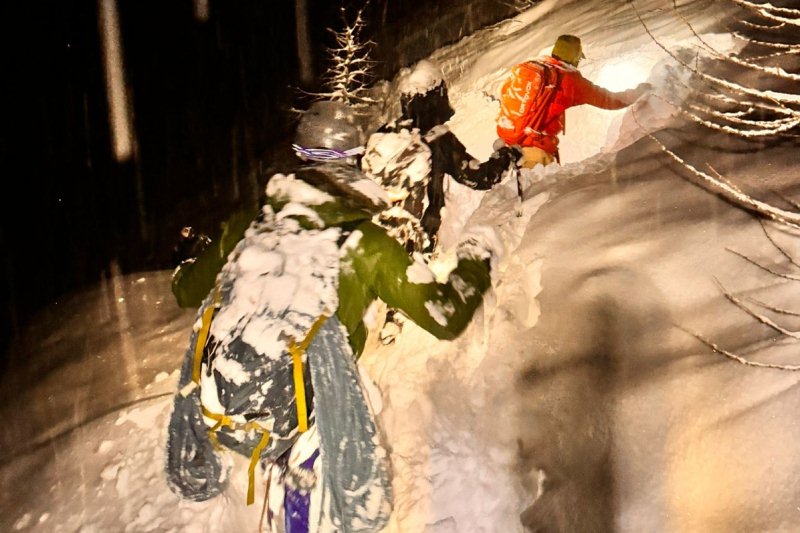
<point>201,10</point>
<point>120,118</point>
<point>304,43</point>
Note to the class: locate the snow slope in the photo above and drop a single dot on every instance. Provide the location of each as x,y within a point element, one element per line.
<point>571,385</point>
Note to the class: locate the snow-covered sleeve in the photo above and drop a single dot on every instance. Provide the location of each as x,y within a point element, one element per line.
<point>193,280</point>
<point>450,156</point>
<point>443,309</point>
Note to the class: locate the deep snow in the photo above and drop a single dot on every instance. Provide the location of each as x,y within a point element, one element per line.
<point>700,445</point>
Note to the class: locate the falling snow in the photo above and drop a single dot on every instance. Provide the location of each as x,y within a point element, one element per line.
<point>699,443</point>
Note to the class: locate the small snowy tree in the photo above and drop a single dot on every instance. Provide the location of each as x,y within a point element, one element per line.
<point>346,80</point>
<point>350,71</point>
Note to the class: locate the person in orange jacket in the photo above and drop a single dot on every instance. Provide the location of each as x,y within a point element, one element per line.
<point>537,94</point>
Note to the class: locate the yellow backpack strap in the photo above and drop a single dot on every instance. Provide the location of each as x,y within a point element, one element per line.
<point>221,420</point>
<point>227,421</point>
<point>202,335</point>
<point>251,470</point>
<point>297,351</point>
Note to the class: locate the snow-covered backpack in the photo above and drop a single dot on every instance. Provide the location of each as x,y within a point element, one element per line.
<point>268,358</point>
<point>245,366</point>
<point>524,99</point>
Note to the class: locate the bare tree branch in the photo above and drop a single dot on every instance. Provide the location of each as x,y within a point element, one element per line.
<point>773,308</point>
<point>780,248</point>
<point>733,193</point>
<point>738,358</point>
<point>763,267</point>
<point>761,318</point>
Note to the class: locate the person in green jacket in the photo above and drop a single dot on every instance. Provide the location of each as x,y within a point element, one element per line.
<point>271,361</point>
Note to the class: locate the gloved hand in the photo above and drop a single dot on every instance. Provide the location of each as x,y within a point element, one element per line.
<point>508,154</point>
<point>498,145</point>
<point>482,242</point>
<point>392,327</point>
<point>632,95</point>
<point>643,88</point>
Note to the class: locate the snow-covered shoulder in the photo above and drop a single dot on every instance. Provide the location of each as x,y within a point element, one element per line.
<point>421,78</point>
<point>288,187</point>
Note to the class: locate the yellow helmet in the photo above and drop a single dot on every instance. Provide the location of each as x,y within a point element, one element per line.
<point>568,49</point>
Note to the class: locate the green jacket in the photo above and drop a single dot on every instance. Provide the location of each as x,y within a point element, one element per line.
<point>373,265</point>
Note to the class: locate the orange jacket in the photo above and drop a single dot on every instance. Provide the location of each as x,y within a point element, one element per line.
<point>573,89</point>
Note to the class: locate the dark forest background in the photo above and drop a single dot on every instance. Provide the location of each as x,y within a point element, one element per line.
<point>211,104</point>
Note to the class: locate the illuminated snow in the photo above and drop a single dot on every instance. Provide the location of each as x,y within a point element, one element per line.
<point>441,405</point>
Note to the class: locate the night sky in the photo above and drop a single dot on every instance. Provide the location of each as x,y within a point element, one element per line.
<point>199,92</point>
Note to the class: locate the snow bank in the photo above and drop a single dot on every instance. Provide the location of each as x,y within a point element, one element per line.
<point>444,407</point>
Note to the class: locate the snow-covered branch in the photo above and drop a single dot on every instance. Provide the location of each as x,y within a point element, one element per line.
<point>767,44</point>
<point>749,105</point>
<point>768,70</point>
<point>773,308</point>
<point>762,128</point>
<point>757,128</point>
<point>719,184</point>
<point>784,15</point>
<point>781,99</point>
<point>761,27</point>
<point>736,117</point>
<point>735,108</point>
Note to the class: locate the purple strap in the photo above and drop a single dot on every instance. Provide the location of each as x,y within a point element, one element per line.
<point>326,154</point>
<point>297,503</point>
